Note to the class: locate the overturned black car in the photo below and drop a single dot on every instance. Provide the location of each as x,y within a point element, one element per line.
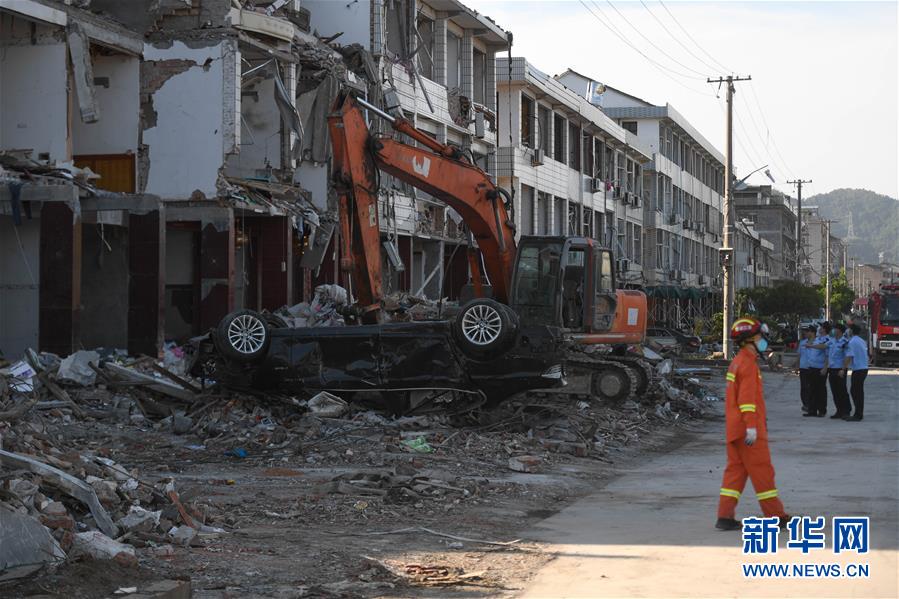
<point>482,355</point>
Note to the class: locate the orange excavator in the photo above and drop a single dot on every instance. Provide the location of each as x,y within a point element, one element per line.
<point>564,282</point>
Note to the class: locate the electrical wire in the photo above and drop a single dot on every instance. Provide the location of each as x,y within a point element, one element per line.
<point>659,67</point>
<point>687,33</point>
<point>653,44</point>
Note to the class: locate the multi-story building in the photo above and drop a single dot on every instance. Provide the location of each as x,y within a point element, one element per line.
<point>867,278</point>
<point>684,186</point>
<point>815,260</point>
<point>774,218</point>
<point>753,256</point>
<point>573,170</point>
<point>439,56</point>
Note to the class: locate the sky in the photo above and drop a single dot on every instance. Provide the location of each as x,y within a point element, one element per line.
<point>822,103</point>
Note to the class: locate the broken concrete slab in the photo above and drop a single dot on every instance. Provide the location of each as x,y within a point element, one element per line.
<point>26,546</point>
<point>327,405</point>
<point>80,56</point>
<point>96,545</point>
<point>75,487</point>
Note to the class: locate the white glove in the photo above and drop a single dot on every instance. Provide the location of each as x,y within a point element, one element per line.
<point>751,436</point>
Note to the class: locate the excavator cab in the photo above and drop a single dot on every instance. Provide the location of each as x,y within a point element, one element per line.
<point>567,282</point>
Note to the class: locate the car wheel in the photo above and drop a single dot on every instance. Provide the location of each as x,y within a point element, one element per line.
<point>243,336</point>
<point>485,327</point>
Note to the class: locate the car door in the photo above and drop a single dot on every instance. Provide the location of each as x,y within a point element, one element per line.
<point>419,355</point>
<point>336,357</point>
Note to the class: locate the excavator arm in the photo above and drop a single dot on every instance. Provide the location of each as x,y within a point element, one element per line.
<point>437,169</point>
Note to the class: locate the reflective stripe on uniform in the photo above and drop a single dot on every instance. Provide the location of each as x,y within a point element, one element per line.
<point>730,493</point>
<point>744,321</point>
<point>766,495</point>
<point>747,407</point>
<point>730,376</point>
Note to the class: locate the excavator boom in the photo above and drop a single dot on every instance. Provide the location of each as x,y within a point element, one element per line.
<point>437,169</point>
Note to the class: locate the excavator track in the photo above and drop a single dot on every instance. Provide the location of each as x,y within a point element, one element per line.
<point>643,371</point>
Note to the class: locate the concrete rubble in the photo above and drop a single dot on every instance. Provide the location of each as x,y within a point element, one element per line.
<point>70,489</point>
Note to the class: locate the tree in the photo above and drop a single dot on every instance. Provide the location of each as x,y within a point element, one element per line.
<point>787,301</point>
<point>841,294</point>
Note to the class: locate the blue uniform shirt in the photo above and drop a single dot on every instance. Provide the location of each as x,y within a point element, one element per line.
<point>858,349</point>
<point>804,353</point>
<point>817,357</point>
<point>837,352</point>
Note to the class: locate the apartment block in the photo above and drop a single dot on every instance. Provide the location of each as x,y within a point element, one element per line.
<point>573,170</point>
<point>682,212</point>
<point>753,257</point>
<point>773,216</point>
<point>439,57</point>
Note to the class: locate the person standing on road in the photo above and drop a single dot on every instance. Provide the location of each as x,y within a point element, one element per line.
<point>857,358</point>
<point>835,372</point>
<point>748,455</point>
<point>817,365</point>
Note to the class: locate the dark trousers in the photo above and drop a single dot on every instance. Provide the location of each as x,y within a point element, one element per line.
<point>839,392</point>
<point>818,393</point>
<point>805,388</point>
<point>857,388</point>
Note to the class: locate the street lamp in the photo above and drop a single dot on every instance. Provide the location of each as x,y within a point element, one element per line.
<point>767,174</point>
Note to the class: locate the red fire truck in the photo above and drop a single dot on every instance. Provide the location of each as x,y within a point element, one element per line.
<point>884,309</point>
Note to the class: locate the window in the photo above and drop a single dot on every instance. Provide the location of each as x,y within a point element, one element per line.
<point>599,150</point>
<point>574,218</point>
<point>588,155</point>
<point>676,156</point>
<point>598,226</point>
<point>587,231</point>
<point>620,237</point>
<point>543,128</point>
<point>526,210</point>
<point>425,42</point>
<point>630,126</point>
<point>660,245</point>
<point>544,213</point>
<point>453,60</point>
<point>669,136</point>
<point>559,138</point>
<point>574,149</point>
<point>479,64</point>
<point>638,244</point>
<point>527,122</point>
<point>629,241</point>
<point>604,273</point>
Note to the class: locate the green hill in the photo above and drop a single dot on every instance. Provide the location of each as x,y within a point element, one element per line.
<point>875,220</point>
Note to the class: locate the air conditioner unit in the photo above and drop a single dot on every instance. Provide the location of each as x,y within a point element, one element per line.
<point>596,185</point>
<point>701,227</point>
<point>636,201</point>
<point>537,157</point>
<point>688,225</point>
<point>616,193</point>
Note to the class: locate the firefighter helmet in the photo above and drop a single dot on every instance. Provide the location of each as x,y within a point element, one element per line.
<point>744,328</point>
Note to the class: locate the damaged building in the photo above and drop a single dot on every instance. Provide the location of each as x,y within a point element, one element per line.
<point>177,168</point>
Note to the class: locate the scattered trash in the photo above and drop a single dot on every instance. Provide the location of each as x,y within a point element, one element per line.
<point>327,405</point>
<point>237,452</point>
<point>76,368</point>
<point>419,445</point>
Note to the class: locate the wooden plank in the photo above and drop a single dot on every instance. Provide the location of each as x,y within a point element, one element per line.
<point>158,385</point>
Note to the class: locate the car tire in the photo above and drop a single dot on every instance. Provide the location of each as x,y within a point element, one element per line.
<point>484,327</point>
<point>243,336</point>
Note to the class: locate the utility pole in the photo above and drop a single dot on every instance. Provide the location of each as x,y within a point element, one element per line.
<point>827,271</point>
<point>728,249</point>
<point>798,183</point>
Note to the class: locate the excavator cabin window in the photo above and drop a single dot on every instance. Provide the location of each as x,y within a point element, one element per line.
<point>573,285</point>
<point>604,296</point>
<point>536,283</point>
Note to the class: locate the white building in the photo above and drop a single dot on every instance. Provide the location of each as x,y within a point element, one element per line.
<point>815,262</point>
<point>439,55</point>
<point>683,209</point>
<point>573,169</point>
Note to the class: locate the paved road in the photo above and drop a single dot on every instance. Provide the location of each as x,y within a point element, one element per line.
<point>650,533</point>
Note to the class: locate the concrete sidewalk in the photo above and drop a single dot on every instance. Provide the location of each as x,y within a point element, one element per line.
<point>650,533</point>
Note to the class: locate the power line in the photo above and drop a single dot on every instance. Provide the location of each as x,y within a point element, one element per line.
<point>677,39</point>
<point>651,43</point>
<point>659,67</point>
<point>768,142</point>
<point>765,121</point>
<point>687,33</point>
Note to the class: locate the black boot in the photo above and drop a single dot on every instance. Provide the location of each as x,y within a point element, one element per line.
<point>727,524</point>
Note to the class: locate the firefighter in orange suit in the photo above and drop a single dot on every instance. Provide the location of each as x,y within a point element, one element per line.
<point>747,430</point>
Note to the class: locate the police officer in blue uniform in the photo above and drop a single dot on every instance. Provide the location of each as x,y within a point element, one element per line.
<point>817,367</point>
<point>837,378</point>
<point>857,359</point>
